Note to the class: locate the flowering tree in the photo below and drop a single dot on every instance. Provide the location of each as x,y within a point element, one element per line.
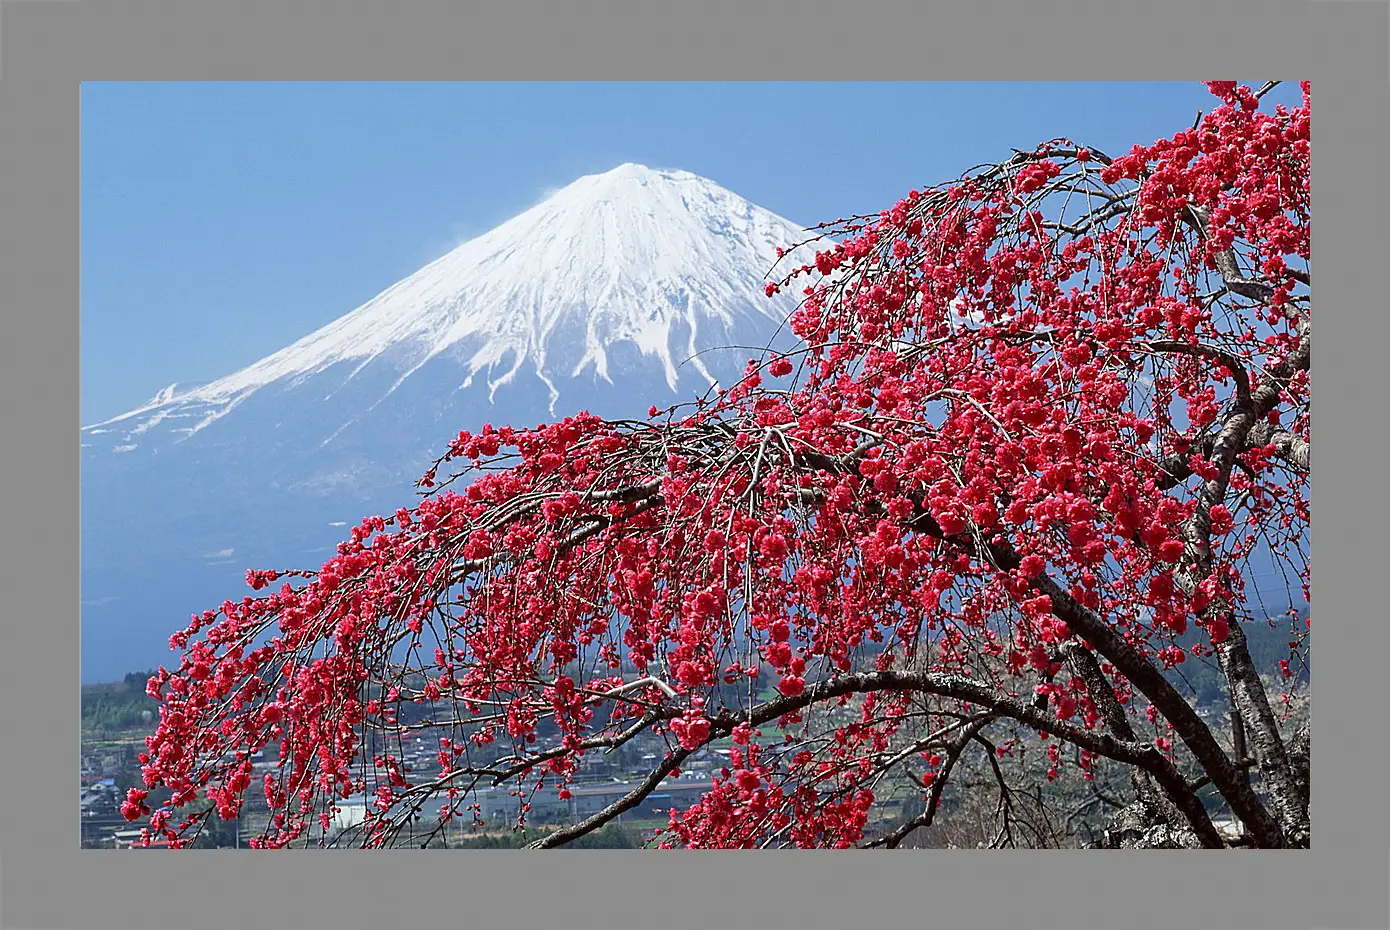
<point>1040,423</point>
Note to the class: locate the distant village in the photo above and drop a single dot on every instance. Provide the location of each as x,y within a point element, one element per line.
<point>117,717</point>
<point>109,767</point>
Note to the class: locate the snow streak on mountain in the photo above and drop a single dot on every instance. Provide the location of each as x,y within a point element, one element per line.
<point>616,292</point>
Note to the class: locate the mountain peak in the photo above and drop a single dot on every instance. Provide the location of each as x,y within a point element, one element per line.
<point>663,261</point>
<point>634,183</point>
<point>632,169</point>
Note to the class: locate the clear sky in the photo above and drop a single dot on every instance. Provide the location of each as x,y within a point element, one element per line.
<point>222,221</point>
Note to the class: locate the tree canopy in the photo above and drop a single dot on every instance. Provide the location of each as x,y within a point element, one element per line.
<point>1041,422</point>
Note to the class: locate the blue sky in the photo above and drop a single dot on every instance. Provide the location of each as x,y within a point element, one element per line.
<point>221,221</point>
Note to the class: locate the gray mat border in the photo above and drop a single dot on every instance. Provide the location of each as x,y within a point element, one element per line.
<point>48,46</point>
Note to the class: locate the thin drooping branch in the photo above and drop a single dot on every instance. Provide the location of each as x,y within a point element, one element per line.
<point>644,497</point>
<point>934,796</point>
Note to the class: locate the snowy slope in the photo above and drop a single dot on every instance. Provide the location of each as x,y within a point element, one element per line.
<point>597,298</point>
<point>666,261</point>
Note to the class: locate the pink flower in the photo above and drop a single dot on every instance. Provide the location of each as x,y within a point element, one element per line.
<point>791,686</point>
<point>1221,519</point>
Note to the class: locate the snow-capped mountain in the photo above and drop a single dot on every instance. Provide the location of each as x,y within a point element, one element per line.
<point>626,288</point>
<point>665,261</point>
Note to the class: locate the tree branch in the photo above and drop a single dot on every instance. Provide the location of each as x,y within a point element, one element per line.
<point>1247,692</point>
<point>1142,755</point>
<point>934,797</point>
<point>1291,449</point>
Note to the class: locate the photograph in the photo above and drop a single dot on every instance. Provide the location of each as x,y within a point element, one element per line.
<point>695,465</point>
